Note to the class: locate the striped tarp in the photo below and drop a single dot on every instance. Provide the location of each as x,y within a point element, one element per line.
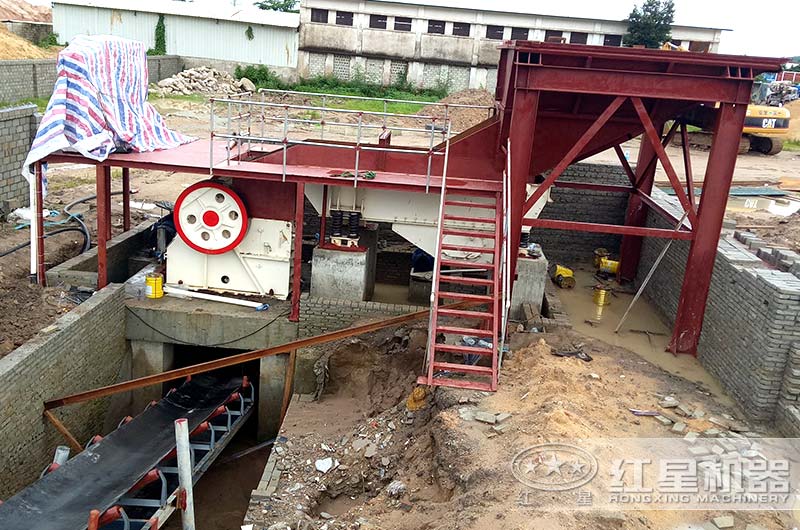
<point>99,104</point>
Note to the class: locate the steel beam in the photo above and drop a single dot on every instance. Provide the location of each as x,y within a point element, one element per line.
<point>126,199</point>
<point>299,205</point>
<point>103,222</point>
<point>41,277</point>
<point>638,231</point>
<point>687,164</point>
<point>60,427</point>
<point>594,187</point>
<point>703,251</point>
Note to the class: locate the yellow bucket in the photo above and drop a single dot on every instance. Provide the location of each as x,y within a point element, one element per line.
<point>154,286</point>
<point>599,254</point>
<point>609,266</point>
<point>602,296</point>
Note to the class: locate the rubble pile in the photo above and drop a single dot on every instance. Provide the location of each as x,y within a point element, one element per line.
<point>202,80</point>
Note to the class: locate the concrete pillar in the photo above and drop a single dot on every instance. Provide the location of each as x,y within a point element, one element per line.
<point>346,274</point>
<point>530,284</point>
<point>148,358</point>
<point>272,375</point>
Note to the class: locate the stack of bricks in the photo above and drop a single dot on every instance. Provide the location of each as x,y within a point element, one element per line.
<point>787,418</point>
<point>781,258</point>
<point>17,129</point>
<point>322,315</point>
<point>583,205</point>
<point>752,317</point>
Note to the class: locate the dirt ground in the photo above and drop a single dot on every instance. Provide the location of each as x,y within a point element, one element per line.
<point>456,472</point>
<point>14,47</point>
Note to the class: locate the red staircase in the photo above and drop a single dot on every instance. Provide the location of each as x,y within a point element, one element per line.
<point>453,363</point>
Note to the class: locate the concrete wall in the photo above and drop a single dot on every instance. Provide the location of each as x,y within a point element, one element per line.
<point>34,32</point>
<point>320,315</point>
<point>34,78</point>
<point>84,349</point>
<point>17,129</point>
<point>583,205</point>
<point>751,321</point>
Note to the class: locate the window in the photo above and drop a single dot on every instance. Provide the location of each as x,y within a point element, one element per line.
<point>612,40</point>
<point>699,46</point>
<point>377,21</point>
<point>402,24</point>
<point>344,18</point>
<point>319,15</point>
<point>494,32</point>
<point>519,33</point>
<point>461,29</point>
<point>436,26</point>
<point>577,37</point>
<point>553,36</point>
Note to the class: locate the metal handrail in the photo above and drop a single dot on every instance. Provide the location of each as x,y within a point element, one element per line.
<point>367,98</point>
<point>326,109</point>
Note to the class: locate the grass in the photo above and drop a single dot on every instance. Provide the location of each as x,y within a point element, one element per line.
<point>791,145</point>
<point>194,98</point>
<point>41,103</point>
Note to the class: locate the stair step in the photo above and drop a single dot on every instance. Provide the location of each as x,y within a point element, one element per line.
<point>464,368</point>
<point>465,280</point>
<point>467,233</point>
<point>465,264</point>
<point>467,296</point>
<point>467,219</point>
<point>456,383</point>
<point>472,332</point>
<point>465,314</point>
<point>467,204</point>
<point>467,248</point>
<point>456,348</point>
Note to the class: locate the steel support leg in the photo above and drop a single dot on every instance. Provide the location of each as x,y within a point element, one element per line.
<point>108,203</point>
<point>523,125</point>
<point>103,223</point>
<point>39,220</point>
<point>631,248</point>
<point>294,316</point>
<point>703,251</point>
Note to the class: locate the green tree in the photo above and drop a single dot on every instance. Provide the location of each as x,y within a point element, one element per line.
<point>287,6</point>
<point>651,24</point>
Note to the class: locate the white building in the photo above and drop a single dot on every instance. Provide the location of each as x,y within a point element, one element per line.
<point>207,30</point>
<point>434,43</point>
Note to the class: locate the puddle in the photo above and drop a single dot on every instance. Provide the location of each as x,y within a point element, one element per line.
<point>390,294</point>
<point>651,346</point>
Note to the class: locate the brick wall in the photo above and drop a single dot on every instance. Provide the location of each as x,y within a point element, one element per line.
<point>34,78</point>
<point>583,205</point>
<point>751,318</point>
<point>84,349</point>
<point>320,315</point>
<point>17,129</point>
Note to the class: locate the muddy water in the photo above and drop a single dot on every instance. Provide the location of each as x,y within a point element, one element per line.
<point>651,346</point>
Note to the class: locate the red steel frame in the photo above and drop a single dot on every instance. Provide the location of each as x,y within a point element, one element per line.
<point>557,104</point>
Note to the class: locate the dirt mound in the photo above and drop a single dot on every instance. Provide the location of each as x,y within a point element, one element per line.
<point>201,80</point>
<point>14,47</point>
<point>779,231</point>
<point>22,10</point>
<point>461,118</point>
<point>794,121</point>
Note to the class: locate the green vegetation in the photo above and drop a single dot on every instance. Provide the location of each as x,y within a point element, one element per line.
<point>263,77</point>
<point>41,103</point>
<point>650,25</point>
<point>249,33</point>
<point>50,40</point>
<point>161,38</point>
<point>287,6</point>
<point>791,145</point>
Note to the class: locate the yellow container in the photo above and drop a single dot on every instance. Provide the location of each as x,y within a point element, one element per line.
<point>564,277</point>
<point>154,286</point>
<point>609,266</point>
<point>602,296</point>
<point>599,254</point>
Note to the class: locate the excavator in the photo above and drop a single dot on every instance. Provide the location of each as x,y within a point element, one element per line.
<point>766,124</point>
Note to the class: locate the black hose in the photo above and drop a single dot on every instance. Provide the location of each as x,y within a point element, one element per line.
<point>87,241</point>
<point>82,230</point>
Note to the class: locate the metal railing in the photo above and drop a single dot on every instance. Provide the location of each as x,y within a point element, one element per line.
<point>505,268</point>
<point>246,124</point>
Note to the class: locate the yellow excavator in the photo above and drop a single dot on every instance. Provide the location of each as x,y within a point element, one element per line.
<point>766,124</point>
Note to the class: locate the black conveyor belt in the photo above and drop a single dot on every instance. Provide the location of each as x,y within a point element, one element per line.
<point>96,478</point>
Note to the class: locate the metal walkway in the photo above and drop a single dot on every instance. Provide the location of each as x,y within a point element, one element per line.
<point>113,472</point>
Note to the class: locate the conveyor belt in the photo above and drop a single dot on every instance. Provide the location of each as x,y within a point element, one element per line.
<point>97,477</point>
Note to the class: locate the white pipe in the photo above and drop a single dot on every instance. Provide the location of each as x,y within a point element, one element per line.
<point>176,291</point>
<point>185,471</point>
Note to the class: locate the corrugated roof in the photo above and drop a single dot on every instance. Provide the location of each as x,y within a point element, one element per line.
<point>215,11</point>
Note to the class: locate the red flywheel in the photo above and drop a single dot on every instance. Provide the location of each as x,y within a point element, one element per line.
<point>210,217</point>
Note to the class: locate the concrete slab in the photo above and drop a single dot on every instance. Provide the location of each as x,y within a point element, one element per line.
<point>342,274</point>
<point>530,284</point>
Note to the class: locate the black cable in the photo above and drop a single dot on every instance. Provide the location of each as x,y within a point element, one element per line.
<point>179,341</point>
<point>48,234</point>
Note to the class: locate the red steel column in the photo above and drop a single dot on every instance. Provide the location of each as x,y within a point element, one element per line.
<point>103,223</point>
<point>631,248</point>
<point>323,218</point>
<point>523,126</point>
<point>40,272</point>
<point>294,316</point>
<point>126,199</point>
<point>108,202</point>
<point>703,251</point>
